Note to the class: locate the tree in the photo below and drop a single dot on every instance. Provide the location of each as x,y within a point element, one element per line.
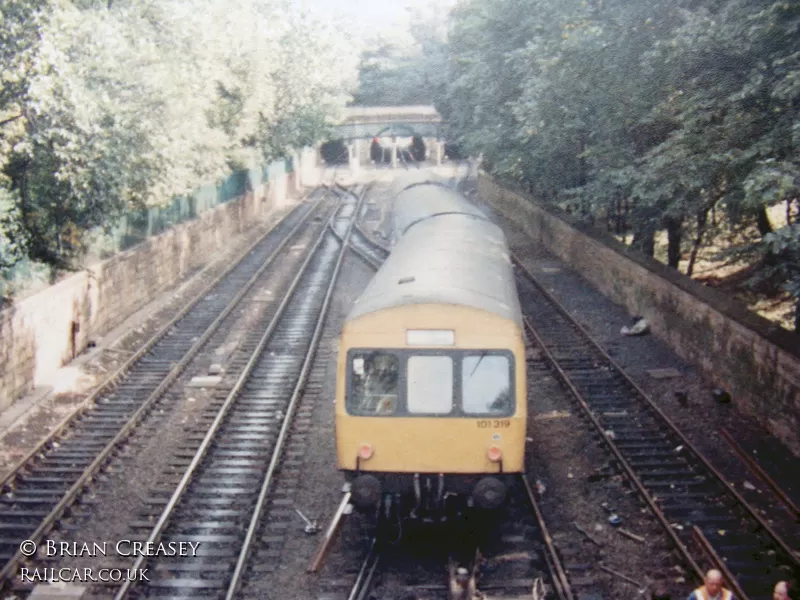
<point>108,106</point>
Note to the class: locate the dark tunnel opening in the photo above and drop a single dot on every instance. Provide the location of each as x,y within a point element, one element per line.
<point>418,148</point>
<point>334,152</point>
<point>382,154</point>
<point>453,152</point>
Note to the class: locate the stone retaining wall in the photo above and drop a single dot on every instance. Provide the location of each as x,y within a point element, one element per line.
<point>46,330</point>
<point>755,360</point>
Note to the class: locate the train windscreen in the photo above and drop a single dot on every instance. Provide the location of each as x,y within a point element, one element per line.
<point>465,383</point>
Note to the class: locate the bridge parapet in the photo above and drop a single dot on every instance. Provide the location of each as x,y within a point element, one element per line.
<point>394,126</point>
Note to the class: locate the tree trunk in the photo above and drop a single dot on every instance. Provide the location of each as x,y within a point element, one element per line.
<point>644,241</point>
<point>762,219</point>
<point>626,212</point>
<point>702,219</point>
<point>582,170</point>
<point>797,316</point>
<point>673,243</point>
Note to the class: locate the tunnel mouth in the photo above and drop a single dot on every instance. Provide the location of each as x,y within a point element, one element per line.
<point>334,152</point>
<point>382,153</point>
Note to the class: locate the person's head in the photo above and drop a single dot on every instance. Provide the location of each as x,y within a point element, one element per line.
<point>781,591</point>
<point>713,582</point>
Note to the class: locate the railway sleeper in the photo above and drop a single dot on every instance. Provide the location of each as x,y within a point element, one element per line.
<point>677,485</point>
<point>662,470</point>
<point>667,462</point>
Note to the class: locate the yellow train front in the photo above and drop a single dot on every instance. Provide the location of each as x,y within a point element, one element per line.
<point>431,390</point>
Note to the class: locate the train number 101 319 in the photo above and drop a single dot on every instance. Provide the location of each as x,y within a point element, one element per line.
<point>493,423</point>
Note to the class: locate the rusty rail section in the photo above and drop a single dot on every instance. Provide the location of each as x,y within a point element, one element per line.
<point>761,474</point>
<point>557,573</point>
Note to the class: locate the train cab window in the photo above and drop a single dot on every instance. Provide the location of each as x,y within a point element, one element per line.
<point>374,384</point>
<point>486,385</point>
<point>430,385</point>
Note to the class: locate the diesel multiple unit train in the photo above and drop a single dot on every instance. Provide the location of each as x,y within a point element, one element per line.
<point>431,390</point>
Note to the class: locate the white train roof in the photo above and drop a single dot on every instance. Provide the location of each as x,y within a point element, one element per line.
<point>449,253</point>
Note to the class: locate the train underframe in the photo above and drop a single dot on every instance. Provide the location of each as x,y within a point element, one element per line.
<point>395,498</point>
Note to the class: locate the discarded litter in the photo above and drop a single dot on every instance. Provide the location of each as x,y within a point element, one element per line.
<point>610,434</point>
<point>640,327</point>
<point>540,487</point>
<point>553,414</point>
<point>204,381</point>
<point>614,520</point>
<point>721,395</point>
<point>748,486</point>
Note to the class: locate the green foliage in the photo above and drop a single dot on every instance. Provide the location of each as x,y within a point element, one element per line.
<point>405,68</point>
<point>676,107</point>
<point>111,106</point>
<point>782,248</point>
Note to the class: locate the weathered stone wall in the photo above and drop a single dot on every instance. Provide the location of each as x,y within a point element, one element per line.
<point>758,362</point>
<point>44,331</point>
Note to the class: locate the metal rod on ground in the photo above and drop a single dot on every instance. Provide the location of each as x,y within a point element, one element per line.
<point>761,474</point>
<point>633,536</point>
<point>588,535</point>
<point>322,550</point>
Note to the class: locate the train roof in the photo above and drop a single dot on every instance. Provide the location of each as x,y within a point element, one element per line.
<point>454,259</point>
<point>416,177</point>
<point>422,200</point>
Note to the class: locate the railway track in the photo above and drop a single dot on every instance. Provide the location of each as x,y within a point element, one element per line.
<point>508,557</point>
<point>707,519</point>
<point>44,485</point>
<point>217,497</point>
<point>372,253</point>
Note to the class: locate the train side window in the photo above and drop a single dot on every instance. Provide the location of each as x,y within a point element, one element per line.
<point>374,384</point>
<point>486,385</point>
<point>430,385</point>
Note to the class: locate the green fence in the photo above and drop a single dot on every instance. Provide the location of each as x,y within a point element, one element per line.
<point>136,226</point>
<point>140,225</point>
